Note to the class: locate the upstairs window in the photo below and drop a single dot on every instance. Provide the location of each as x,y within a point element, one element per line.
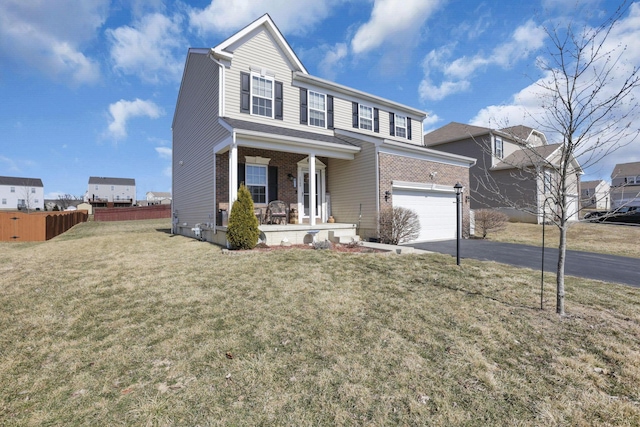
<point>256,181</point>
<point>366,117</point>
<point>13,189</point>
<point>317,109</point>
<point>498,149</point>
<point>33,190</point>
<point>632,180</point>
<point>4,201</point>
<point>261,96</point>
<point>400,126</point>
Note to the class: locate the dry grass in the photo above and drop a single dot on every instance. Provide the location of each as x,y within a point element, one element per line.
<point>581,236</point>
<point>123,324</point>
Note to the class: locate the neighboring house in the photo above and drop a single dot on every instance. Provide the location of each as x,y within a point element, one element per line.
<point>625,185</point>
<point>21,193</point>
<point>594,194</point>
<point>158,198</point>
<point>512,173</point>
<point>249,112</point>
<point>111,192</point>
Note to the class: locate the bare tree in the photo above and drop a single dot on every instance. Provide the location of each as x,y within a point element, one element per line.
<point>588,100</point>
<point>398,225</point>
<point>66,200</point>
<point>487,220</point>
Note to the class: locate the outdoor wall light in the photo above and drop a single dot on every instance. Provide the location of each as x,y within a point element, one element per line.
<point>292,179</point>
<point>387,194</point>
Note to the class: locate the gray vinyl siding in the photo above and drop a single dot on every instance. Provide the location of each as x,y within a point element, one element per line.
<point>196,131</point>
<point>261,51</point>
<point>353,183</point>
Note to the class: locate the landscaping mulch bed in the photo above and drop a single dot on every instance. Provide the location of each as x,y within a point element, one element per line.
<point>335,247</point>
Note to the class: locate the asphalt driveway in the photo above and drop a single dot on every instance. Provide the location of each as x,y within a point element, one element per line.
<point>608,268</point>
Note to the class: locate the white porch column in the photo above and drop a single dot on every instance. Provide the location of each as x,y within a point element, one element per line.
<point>312,189</point>
<point>233,172</point>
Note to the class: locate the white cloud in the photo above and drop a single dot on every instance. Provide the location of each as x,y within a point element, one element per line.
<point>393,22</point>
<point>148,49</point>
<point>292,17</point>
<point>10,164</point>
<point>526,106</point>
<point>429,123</point>
<point>168,171</point>
<point>164,152</point>
<point>331,64</point>
<point>429,91</point>
<point>49,36</point>
<point>456,74</point>
<point>122,111</point>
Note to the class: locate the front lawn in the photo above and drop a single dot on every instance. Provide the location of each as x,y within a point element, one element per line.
<point>124,324</point>
<point>581,236</point>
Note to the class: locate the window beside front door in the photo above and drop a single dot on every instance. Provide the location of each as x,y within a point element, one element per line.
<point>256,182</point>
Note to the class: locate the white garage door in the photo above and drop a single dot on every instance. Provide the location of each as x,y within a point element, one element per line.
<point>436,210</point>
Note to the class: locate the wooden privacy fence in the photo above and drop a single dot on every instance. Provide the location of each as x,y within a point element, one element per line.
<point>133,213</point>
<point>37,226</point>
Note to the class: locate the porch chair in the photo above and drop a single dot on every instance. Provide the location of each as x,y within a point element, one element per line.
<point>277,213</point>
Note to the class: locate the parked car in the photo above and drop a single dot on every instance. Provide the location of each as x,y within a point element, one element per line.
<point>593,216</point>
<point>627,214</point>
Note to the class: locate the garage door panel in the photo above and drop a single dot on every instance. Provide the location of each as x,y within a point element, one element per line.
<point>436,211</point>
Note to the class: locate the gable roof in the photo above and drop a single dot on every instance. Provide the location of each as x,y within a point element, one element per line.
<point>527,157</point>
<point>519,131</point>
<point>624,169</point>
<point>111,181</point>
<point>225,49</point>
<point>159,193</point>
<point>22,182</point>
<point>590,185</point>
<point>454,131</point>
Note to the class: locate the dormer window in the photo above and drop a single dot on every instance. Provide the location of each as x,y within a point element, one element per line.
<point>498,149</point>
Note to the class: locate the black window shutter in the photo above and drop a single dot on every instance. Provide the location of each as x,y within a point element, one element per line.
<point>279,101</point>
<point>376,120</point>
<point>240,174</point>
<point>329,112</point>
<point>408,128</point>
<point>392,124</point>
<point>303,106</point>
<point>272,180</point>
<point>245,93</point>
<point>354,113</point>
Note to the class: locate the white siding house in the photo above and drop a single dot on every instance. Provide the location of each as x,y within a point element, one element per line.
<point>21,193</point>
<point>104,191</point>
<point>249,112</point>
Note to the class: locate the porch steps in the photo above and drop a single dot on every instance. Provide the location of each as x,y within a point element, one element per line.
<point>343,236</point>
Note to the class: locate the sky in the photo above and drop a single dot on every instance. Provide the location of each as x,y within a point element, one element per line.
<point>88,88</point>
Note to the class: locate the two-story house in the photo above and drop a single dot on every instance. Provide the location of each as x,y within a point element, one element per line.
<point>625,185</point>
<point>249,112</point>
<point>21,193</point>
<point>110,192</point>
<point>515,169</point>
<point>595,194</point>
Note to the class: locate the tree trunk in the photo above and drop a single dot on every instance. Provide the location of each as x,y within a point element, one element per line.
<point>562,252</point>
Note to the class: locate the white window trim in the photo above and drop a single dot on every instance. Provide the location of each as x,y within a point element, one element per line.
<point>266,178</point>
<point>547,181</point>
<point>13,189</point>
<point>395,124</point>
<point>309,109</point>
<point>361,117</point>
<point>273,94</point>
<point>495,148</point>
<point>631,180</point>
